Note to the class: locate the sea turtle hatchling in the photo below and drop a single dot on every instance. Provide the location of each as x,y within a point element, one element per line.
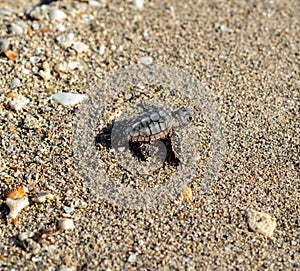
<point>154,124</point>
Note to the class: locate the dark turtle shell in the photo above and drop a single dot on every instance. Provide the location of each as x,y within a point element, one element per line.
<point>150,125</point>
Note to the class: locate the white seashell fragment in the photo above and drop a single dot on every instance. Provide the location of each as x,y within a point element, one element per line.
<point>261,222</point>
<point>16,206</point>
<point>18,102</point>
<point>25,71</point>
<point>146,60</point>
<point>66,224</point>
<point>80,47</point>
<point>73,65</point>
<point>138,3</point>
<point>57,15</point>
<point>68,209</point>
<point>10,148</point>
<point>67,98</point>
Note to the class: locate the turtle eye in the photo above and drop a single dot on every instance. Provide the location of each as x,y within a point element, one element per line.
<point>190,118</point>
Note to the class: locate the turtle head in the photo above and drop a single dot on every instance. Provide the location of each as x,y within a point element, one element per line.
<point>183,116</point>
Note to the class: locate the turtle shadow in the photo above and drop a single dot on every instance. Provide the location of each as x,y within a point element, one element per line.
<point>137,149</point>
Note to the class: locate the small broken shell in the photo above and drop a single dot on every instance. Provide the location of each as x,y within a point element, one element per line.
<point>69,99</point>
<point>11,55</point>
<point>66,224</point>
<point>16,193</point>
<point>16,206</point>
<point>261,222</point>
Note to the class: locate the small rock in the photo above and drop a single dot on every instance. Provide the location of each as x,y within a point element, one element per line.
<point>93,3</point>
<point>57,14</point>
<point>46,73</point>
<point>45,237</point>
<point>28,244</point>
<point>80,47</point>
<point>60,27</point>
<point>35,26</point>
<point>146,60</point>
<point>4,45</point>
<point>224,28</point>
<point>102,50</point>
<point>25,71</point>
<point>2,163</point>
<point>61,67</point>
<point>70,36</point>
<point>42,197</point>
<point>25,235</point>
<point>186,193</point>
<point>66,224</point>
<point>10,148</point>
<point>36,259</point>
<point>50,90</point>
<point>65,41</point>
<point>79,203</point>
<point>132,258</point>
<point>18,102</point>
<point>261,222</point>
<point>16,81</point>
<point>65,268</point>
<point>35,69</point>
<point>16,206</point>
<point>39,13</point>
<point>66,98</point>
<point>30,122</point>
<point>138,3</point>
<point>35,59</point>
<point>16,29</point>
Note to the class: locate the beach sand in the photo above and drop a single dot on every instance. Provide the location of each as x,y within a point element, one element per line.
<point>246,53</point>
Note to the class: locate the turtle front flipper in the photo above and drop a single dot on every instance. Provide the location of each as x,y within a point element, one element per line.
<point>175,156</point>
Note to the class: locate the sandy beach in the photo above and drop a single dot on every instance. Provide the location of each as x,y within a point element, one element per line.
<point>220,193</point>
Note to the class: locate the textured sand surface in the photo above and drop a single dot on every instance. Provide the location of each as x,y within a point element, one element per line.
<point>245,52</point>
